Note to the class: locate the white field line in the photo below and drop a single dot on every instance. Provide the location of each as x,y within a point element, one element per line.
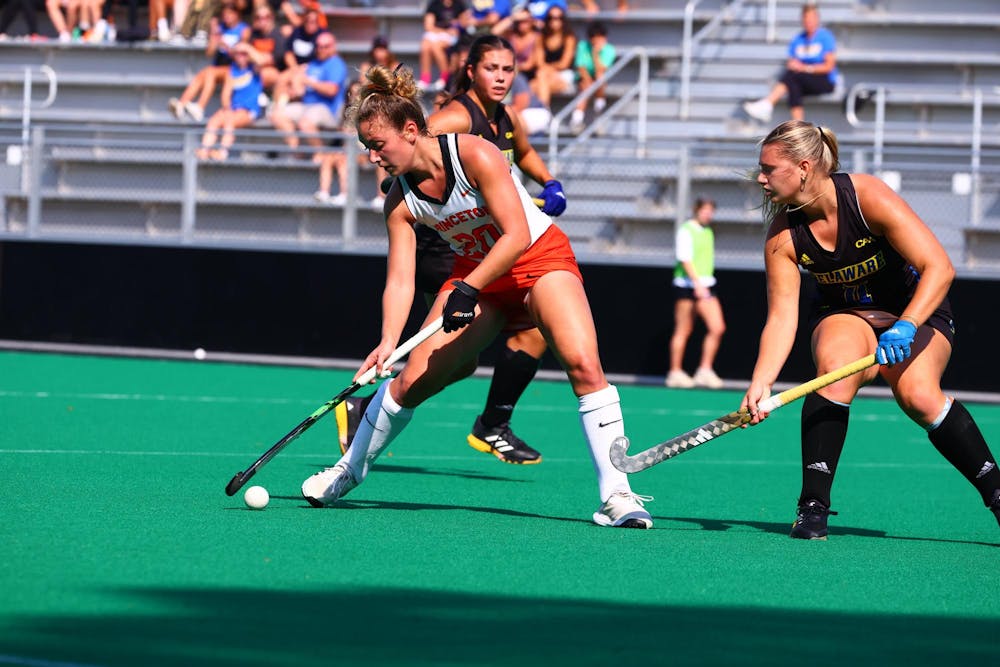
<point>402,455</point>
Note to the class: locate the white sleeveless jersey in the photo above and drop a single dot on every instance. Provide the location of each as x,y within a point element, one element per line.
<point>461,218</point>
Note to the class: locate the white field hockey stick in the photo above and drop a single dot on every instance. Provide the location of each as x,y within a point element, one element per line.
<point>242,477</point>
<point>726,423</point>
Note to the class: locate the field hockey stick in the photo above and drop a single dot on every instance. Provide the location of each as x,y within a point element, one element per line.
<point>726,423</point>
<point>242,477</point>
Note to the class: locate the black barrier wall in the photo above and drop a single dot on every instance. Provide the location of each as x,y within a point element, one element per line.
<point>329,306</point>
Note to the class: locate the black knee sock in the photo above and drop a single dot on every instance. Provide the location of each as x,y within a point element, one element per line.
<point>959,440</point>
<point>824,429</point>
<point>512,375</point>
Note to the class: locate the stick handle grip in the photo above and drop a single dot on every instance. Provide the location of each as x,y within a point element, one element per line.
<point>403,349</point>
<point>795,393</point>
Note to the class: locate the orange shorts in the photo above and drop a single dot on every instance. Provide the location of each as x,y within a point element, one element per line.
<point>550,252</point>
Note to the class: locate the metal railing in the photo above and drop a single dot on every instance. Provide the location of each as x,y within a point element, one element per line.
<point>639,89</point>
<point>692,39</point>
<point>922,95</point>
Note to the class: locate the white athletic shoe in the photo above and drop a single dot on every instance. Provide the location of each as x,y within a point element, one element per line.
<point>194,110</point>
<point>678,380</point>
<point>624,509</point>
<point>706,377</point>
<point>760,110</point>
<point>327,487</point>
<point>176,108</point>
<point>322,196</point>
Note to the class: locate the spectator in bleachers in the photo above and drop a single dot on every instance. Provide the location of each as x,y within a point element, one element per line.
<point>27,8</point>
<point>319,87</point>
<point>555,53</point>
<point>197,23</point>
<point>520,30</point>
<point>227,31</point>
<point>811,69</point>
<point>592,7</point>
<point>268,43</point>
<point>539,9</point>
<point>594,56</point>
<point>535,116</point>
<point>334,163</point>
<point>300,48</point>
<point>159,26</point>
<point>62,14</point>
<point>379,54</point>
<point>240,104</point>
<point>485,14</point>
<point>297,19</point>
<point>444,20</point>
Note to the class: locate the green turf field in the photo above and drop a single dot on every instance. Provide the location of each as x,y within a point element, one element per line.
<point>120,546</point>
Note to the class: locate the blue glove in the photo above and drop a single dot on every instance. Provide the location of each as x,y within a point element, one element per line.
<point>554,198</point>
<point>894,344</point>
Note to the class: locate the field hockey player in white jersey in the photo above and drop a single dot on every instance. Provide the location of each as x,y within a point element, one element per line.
<point>514,269</point>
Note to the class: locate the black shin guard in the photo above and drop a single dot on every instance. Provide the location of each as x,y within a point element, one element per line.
<point>824,429</point>
<point>960,441</point>
<point>512,375</point>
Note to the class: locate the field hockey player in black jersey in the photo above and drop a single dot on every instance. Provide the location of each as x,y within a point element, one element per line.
<point>883,281</point>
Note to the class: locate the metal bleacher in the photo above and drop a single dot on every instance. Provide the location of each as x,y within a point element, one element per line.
<point>920,106</point>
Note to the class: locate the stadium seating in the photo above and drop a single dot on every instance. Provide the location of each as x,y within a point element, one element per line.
<point>111,147</point>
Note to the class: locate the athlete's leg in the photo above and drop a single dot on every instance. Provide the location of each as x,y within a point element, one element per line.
<point>916,385</point>
<point>710,311</point>
<point>558,303</point>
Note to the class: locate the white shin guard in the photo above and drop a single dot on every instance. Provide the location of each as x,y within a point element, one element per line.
<point>382,422</point>
<point>602,422</point>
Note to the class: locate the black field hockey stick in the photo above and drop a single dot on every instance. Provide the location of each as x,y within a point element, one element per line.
<point>726,423</point>
<point>242,477</point>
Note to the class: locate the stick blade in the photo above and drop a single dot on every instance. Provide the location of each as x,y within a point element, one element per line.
<point>619,457</point>
<point>237,482</point>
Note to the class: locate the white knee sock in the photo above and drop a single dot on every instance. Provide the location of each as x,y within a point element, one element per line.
<point>382,422</point>
<point>601,418</point>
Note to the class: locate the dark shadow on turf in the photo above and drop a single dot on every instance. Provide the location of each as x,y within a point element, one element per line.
<point>783,529</point>
<point>373,626</point>
<point>354,505</point>
<point>381,468</point>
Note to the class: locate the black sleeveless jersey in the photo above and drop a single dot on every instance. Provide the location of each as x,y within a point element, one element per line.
<point>864,271</point>
<point>503,138</point>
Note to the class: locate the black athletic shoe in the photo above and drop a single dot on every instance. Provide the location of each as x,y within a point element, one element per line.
<point>501,442</point>
<point>348,413</point>
<point>810,524</point>
<point>995,505</point>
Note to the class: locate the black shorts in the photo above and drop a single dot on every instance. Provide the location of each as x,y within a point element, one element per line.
<point>940,320</point>
<point>688,292</point>
<point>435,260</point>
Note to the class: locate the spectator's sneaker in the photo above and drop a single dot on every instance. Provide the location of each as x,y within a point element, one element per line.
<point>327,487</point>
<point>624,509</point>
<point>439,85</point>
<point>348,414</point>
<point>678,380</point>
<point>706,377</point>
<point>194,110</point>
<point>501,442</point>
<point>176,108</point>
<point>423,86</point>
<point>810,523</point>
<point>200,38</point>
<point>760,110</point>
<point>377,203</point>
<point>576,122</point>
<point>995,505</point>
<point>65,37</point>
<point>322,196</point>
<point>338,199</point>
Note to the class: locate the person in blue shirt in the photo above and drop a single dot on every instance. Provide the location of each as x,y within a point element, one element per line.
<point>321,86</point>
<point>811,69</point>
<point>240,103</point>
